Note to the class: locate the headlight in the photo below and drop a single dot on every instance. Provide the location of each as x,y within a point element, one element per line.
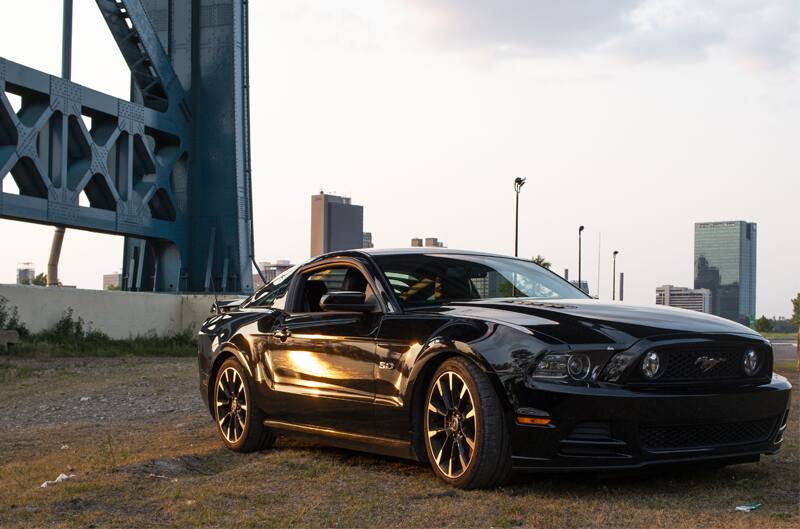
<point>578,366</point>
<point>552,366</point>
<point>751,363</point>
<point>651,365</point>
<point>561,365</point>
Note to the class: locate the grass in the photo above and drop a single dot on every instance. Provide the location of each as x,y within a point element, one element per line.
<point>9,373</point>
<point>779,335</point>
<point>171,471</point>
<point>98,345</point>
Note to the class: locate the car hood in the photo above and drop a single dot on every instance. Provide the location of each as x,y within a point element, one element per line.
<point>584,321</point>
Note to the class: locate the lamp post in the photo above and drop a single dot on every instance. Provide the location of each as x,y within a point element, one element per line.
<point>614,276</point>
<point>518,183</point>
<point>580,231</point>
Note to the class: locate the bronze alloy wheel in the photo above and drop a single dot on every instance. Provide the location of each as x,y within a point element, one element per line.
<point>451,424</point>
<point>230,405</point>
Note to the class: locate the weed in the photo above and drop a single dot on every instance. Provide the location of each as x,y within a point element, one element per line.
<point>71,336</point>
<point>9,318</point>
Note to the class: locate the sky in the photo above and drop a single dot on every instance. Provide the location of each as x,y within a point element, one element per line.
<point>634,118</point>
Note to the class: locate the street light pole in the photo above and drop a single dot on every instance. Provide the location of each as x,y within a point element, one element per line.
<point>614,276</point>
<point>518,183</point>
<point>580,230</point>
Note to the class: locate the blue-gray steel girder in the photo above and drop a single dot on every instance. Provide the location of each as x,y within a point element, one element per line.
<point>165,170</point>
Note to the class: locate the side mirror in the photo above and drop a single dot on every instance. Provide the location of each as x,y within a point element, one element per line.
<point>345,301</point>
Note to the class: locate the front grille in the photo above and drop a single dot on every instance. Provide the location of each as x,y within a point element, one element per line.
<point>706,435</point>
<point>688,365</point>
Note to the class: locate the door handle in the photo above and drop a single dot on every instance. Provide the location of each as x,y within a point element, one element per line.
<point>282,334</point>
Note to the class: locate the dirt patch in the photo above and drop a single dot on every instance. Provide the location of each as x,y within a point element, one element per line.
<point>169,468</point>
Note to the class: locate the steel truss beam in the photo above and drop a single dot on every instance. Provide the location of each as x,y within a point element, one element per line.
<point>177,186</point>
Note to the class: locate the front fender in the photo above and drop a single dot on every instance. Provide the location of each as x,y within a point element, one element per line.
<point>503,353</point>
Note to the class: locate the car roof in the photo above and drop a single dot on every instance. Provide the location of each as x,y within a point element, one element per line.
<point>410,251</point>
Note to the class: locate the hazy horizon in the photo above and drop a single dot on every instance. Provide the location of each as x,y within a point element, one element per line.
<point>634,118</point>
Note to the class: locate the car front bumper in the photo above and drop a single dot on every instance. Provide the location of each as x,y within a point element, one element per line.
<point>597,428</point>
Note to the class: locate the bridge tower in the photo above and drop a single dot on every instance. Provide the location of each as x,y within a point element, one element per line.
<point>169,169</point>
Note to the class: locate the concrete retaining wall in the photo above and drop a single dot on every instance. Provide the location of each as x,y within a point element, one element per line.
<point>120,315</point>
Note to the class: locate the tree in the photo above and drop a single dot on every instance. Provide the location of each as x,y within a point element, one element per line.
<point>796,313</point>
<point>763,324</point>
<point>542,261</point>
<point>40,280</point>
<point>113,287</point>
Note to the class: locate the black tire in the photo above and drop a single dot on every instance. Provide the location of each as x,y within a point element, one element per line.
<point>467,450</point>
<point>240,425</point>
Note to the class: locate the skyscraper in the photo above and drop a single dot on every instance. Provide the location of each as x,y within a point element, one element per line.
<point>336,224</point>
<point>725,264</point>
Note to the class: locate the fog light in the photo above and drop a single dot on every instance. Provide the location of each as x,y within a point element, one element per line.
<point>651,365</point>
<point>578,366</point>
<point>751,363</point>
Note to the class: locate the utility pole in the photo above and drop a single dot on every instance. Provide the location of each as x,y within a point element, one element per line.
<point>518,183</point>
<point>580,251</point>
<point>614,275</point>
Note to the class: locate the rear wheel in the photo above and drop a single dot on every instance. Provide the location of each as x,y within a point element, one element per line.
<point>466,436</point>
<point>239,422</point>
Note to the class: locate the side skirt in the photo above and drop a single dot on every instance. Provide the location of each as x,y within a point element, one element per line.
<point>350,441</point>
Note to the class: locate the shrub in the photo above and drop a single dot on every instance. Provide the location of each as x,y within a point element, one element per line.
<point>9,318</point>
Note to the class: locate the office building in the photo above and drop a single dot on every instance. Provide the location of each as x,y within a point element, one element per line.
<point>270,271</point>
<point>111,281</point>
<point>428,242</point>
<point>367,240</point>
<point>25,273</point>
<point>697,299</point>
<point>725,264</point>
<point>336,224</point>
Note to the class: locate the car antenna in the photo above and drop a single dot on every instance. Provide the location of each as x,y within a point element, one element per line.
<point>216,298</point>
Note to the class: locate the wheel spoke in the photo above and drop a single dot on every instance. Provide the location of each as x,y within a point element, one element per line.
<point>433,432</point>
<point>463,453</point>
<point>441,451</point>
<point>470,414</point>
<point>445,394</point>
<point>461,395</point>
<point>435,409</point>
<point>450,461</point>
<point>470,441</point>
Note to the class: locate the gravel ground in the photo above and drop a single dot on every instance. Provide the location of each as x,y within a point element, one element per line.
<point>54,391</point>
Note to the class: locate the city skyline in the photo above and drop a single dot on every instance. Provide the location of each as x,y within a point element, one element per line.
<point>603,123</point>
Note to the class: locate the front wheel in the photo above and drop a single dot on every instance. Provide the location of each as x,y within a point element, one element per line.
<point>239,422</point>
<point>466,436</point>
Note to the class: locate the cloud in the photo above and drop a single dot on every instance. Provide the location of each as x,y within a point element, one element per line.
<point>766,33</point>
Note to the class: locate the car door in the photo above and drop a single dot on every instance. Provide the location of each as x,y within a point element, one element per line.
<point>323,361</point>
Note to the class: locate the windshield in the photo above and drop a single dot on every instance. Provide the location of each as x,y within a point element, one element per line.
<point>432,279</point>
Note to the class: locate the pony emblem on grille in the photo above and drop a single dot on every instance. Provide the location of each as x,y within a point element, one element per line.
<point>707,363</point>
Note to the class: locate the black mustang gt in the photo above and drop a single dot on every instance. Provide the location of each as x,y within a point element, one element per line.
<point>483,365</point>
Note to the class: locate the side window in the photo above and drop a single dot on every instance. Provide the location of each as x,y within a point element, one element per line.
<point>314,285</point>
<point>274,294</point>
